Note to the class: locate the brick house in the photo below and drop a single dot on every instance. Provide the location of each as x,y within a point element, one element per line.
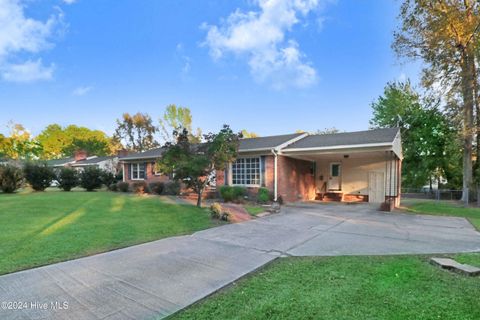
<point>351,166</point>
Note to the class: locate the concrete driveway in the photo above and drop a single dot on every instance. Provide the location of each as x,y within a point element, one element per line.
<point>158,278</point>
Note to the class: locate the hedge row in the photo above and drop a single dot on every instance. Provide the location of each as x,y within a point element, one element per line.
<point>40,177</point>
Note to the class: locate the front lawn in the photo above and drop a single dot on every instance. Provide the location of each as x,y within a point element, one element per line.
<point>374,287</point>
<point>47,227</point>
<point>254,209</point>
<point>443,208</point>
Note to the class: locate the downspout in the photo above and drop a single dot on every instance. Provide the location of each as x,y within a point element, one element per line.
<point>275,175</point>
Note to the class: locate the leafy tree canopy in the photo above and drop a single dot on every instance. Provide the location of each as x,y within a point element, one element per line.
<point>61,142</point>
<point>136,132</point>
<point>247,134</point>
<point>195,164</point>
<point>430,144</point>
<point>20,144</point>
<point>177,119</point>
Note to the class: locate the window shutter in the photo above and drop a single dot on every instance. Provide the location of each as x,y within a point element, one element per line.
<point>262,170</point>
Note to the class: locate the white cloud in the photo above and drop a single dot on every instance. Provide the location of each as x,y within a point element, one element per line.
<point>185,60</point>
<point>28,71</point>
<point>19,35</point>
<point>69,1</point>
<point>261,37</point>
<point>81,91</point>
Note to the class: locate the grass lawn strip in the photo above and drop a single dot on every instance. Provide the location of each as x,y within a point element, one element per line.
<point>368,287</point>
<point>47,227</point>
<point>443,208</point>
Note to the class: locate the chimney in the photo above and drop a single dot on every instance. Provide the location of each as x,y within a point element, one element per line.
<point>80,155</point>
<point>122,153</point>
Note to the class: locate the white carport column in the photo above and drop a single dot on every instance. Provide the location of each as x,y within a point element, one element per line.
<point>275,175</point>
<point>123,171</point>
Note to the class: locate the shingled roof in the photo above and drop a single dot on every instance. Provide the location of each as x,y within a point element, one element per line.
<point>266,143</point>
<point>59,162</point>
<point>297,140</point>
<point>149,154</point>
<point>91,161</point>
<point>374,136</point>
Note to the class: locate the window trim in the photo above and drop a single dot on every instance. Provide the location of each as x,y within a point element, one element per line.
<point>138,171</point>
<point>230,173</point>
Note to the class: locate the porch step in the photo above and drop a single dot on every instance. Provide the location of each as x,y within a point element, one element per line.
<point>329,196</point>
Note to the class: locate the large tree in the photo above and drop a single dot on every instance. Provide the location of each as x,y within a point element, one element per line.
<point>58,141</point>
<point>177,119</point>
<point>249,134</point>
<point>195,164</point>
<point>19,144</point>
<point>444,34</point>
<point>136,132</point>
<point>429,140</point>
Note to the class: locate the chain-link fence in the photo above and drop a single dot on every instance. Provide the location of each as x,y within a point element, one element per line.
<point>440,194</point>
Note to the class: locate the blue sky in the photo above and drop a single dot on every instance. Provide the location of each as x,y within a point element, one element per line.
<point>268,66</point>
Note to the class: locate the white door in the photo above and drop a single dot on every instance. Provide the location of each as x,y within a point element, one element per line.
<point>334,180</point>
<point>376,187</point>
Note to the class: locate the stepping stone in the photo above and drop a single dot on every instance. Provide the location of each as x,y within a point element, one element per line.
<point>453,265</point>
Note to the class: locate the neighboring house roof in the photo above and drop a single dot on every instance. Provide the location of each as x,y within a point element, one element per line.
<point>92,161</point>
<point>267,143</point>
<point>368,137</point>
<point>59,162</point>
<point>149,154</point>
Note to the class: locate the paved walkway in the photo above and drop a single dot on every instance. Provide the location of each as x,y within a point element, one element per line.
<point>161,277</point>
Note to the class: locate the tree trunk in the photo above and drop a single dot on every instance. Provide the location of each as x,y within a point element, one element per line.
<point>468,66</point>
<point>476,98</point>
<point>199,197</point>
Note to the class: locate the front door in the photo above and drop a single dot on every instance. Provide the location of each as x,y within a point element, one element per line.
<point>334,180</point>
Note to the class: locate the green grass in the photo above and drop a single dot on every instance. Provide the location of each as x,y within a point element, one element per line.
<point>254,210</point>
<point>373,287</point>
<point>443,208</point>
<point>47,227</point>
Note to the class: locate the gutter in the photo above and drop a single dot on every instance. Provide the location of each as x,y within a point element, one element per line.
<point>275,175</point>
<point>350,146</point>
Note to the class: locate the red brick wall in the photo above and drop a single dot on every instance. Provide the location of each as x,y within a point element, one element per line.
<point>295,181</point>
<point>150,174</point>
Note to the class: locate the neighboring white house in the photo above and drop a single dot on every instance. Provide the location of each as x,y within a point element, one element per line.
<point>81,160</point>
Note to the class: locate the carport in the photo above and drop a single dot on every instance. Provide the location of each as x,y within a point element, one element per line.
<point>352,172</point>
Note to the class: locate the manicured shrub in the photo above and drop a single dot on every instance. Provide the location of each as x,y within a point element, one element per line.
<point>229,193</point>
<point>39,176</point>
<point>157,187</point>
<point>216,210</point>
<point>113,187</point>
<point>139,187</point>
<point>11,178</point>
<point>172,188</point>
<point>239,192</point>
<point>67,179</point>
<point>123,186</point>
<point>263,195</point>
<point>108,178</point>
<point>226,192</point>
<point>91,178</point>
